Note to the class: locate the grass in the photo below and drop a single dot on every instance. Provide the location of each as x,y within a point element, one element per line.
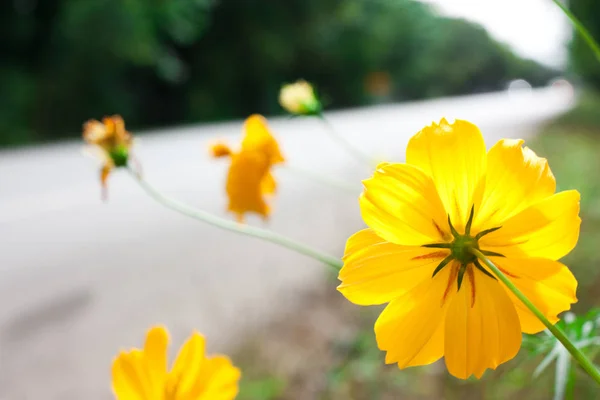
<point>350,367</point>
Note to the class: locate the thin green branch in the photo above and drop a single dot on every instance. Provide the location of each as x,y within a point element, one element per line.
<point>587,36</point>
<point>351,149</point>
<point>326,180</point>
<point>585,363</point>
<point>232,226</point>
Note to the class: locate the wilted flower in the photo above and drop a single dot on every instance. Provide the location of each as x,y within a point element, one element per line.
<point>299,98</point>
<point>143,373</point>
<point>249,178</point>
<point>110,142</point>
<point>425,216</point>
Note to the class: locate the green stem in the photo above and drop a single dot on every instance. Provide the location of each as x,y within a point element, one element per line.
<point>356,153</point>
<point>232,226</point>
<point>585,363</point>
<point>580,28</point>
<point>326,180</point>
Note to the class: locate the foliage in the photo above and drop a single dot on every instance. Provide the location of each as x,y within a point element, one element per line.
<point>583,60</point>
<point>582,331</point>
<point>159,62</point>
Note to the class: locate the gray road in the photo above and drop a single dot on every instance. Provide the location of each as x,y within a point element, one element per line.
<point>80,279</point>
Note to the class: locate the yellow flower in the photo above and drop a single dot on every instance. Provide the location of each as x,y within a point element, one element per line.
<point>249,179</point>
<point>423,217</point>
<point>299,98</point>
<point>143,374</point>
<point>110,143</point>
<point>258,138</point>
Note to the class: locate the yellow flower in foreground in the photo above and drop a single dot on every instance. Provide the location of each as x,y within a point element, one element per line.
<point>143,374</point>
<point>299,98</point>
<point>110,143</point>
<point>423,217</point>
<point>249,179</point>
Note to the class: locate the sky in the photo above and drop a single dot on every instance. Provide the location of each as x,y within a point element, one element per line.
<point>534,29</point>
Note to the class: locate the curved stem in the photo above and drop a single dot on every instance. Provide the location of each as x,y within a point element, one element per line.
<point>587,36</point>
<point>232,226</point>
<point>355,152</point>
<point>585,363</point>
<point>326,180</point>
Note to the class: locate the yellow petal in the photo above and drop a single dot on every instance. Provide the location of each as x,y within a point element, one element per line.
<point>376,271</point>
<point>94,132</point>
<point>186,369</point>
<point>155,355</point>
<point>220,149</point>
<point>516,178</point>
<point>548,284</point>
<point>258,137</point>
<point>244,183</point>
<point>219,380</point>
<point>454,156</point>
<point>129,377</point>
<point>268,184</point>
<point>410,329</point>
<point>547,229</point>
<point>482,327</point>
<point>401,205</point>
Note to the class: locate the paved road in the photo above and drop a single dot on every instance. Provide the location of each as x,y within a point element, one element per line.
<point>80,279</point>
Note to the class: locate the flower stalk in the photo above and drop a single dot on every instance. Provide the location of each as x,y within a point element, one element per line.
<point>232,226</point>
<point>585,34</point>
<point>351,149</point>
<point>323,179</point>
<point>585,363</point>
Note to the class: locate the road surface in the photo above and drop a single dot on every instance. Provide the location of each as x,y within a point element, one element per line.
<point>81,279</point>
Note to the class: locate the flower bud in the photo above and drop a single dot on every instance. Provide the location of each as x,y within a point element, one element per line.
<point>299,98</point>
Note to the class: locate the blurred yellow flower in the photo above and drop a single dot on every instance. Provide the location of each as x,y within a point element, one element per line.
<point>142,374</point>
<point>249,179</point>
<point>110,144</point>
<point>423,218</point>
<point>220,149</point>
<point>258,138</point>
<point>299,98</point>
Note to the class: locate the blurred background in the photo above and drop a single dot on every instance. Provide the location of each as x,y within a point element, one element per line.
<point>81,280</point>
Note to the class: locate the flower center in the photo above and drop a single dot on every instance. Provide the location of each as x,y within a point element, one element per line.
<point>461,250</point>
<point>119,154</point>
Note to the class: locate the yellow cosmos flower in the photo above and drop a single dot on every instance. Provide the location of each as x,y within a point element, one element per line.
<point>299,98</point>
<point>249,179</point>
<point>143,375</point>
<point>110,144</point>
<point>423,218</point>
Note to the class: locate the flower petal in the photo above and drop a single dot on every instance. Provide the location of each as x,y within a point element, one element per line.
<point>258,137</point>
<point>410,329</point>
<point>401,204</point>
<point>155,356</point>
<point>548,284</point>
<point>547,229</point>
<point>454,156</point>
<point>516,178</point>
<point>268,184</point>
<point>244,184</point>
<point>376,271</point>
<point>219,380</point>
<point>186,369</point>
<point>129,377</point>
<point>482,327</point>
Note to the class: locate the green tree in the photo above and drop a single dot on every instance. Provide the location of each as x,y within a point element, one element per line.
<point>583,60</point>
